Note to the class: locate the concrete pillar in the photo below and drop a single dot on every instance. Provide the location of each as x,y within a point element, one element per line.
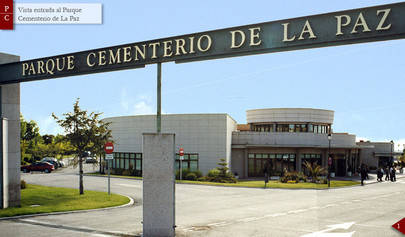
<point>10,109</point>
<point>158,185</point>
<point>4,193</point>
<point>246,163</point>
<point>298,160</point>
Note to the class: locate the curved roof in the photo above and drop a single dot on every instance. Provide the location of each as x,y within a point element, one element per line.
<point>282,115</point>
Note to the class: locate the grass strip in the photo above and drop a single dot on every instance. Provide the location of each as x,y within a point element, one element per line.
<point>37,199</point>
<point>277,184</point>
<point>257,183</point>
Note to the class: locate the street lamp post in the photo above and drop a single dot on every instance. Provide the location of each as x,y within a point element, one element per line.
<point>329,158</point>
<point>392,157</point>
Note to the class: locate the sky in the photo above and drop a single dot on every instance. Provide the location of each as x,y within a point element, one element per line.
<point>363,83</point>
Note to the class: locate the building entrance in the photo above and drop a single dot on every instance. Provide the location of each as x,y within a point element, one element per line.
<point>341,167</point>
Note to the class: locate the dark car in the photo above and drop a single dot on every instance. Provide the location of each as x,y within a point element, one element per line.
<point>90,160</point>
<point>38,166</point>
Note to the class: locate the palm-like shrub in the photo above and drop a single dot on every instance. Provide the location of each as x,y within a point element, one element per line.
<point>314,170</point>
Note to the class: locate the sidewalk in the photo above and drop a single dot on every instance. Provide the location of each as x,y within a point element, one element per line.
<point>372,178</point>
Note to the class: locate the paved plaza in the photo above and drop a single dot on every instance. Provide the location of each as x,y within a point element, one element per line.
<point>201,210</point>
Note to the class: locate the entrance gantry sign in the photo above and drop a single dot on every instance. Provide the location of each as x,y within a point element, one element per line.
<point>378,23</point>
<point>385,22</point>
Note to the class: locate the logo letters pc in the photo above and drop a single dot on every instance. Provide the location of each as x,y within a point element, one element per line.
<point>6,14</point>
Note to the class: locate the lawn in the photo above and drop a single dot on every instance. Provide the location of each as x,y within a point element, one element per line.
<point>259,183</point>
<point>51,199</point>
<point>277,184</point>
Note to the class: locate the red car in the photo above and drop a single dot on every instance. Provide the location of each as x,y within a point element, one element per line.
<point>38,166</point>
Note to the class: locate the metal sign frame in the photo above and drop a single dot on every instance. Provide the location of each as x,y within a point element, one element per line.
<point>377,23</point>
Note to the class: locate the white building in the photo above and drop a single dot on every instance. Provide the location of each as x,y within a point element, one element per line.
<point>282,137</point>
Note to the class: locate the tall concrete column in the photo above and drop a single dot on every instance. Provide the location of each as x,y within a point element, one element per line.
<point>158,185</point>
<point>10,110</point>
<point>298,160</point>
<point>246,163</point>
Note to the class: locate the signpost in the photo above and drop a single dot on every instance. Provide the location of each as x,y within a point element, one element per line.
<point>181,154</point>
<point>109,149</point>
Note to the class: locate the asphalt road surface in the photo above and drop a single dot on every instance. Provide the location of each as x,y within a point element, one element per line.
<point>368,210</point>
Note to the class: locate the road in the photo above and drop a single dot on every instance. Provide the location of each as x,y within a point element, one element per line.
<point>368,210</point>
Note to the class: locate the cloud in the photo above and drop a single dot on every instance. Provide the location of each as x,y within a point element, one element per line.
<point>125,100</point>
<point>142,107</point>
<point>362,139</point>
<point>48,125</point>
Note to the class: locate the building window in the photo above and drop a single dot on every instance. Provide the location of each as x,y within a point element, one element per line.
<point>278,163</point>
<point>190,161</point>
<point>128,161</point>
<point>310,128</point>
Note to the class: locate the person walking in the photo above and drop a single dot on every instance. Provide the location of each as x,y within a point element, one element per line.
<point>392,173</point>
<point>387,174</point>
<point>363,173</point>
<point>380,174</point>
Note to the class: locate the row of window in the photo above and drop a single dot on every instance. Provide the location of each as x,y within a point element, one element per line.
<point>190,161</point>
<point>278,163</point>
<point>125,160</point>
<point>311,128</point>
<point>257,163</point>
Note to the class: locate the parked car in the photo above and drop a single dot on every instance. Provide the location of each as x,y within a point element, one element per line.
<point>51,160</point>
<point>38,166</point>
<point>61,163</point>
<point>90,160</point>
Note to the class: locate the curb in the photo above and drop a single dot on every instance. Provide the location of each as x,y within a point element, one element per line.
<point>130,203</point>
<point>351,186</point>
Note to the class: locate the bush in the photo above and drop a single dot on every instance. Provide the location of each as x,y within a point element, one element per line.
<point>213,173</point>
<point>117,171</point>
<point>202,179</point>
<point>126,172</point>
<point>198,173</point>
<point>293,177</point>
<point>23,184</point>
<point>137,173</point>
<point>184,173</point>
<point>191,176</point>
<point>216,175</point>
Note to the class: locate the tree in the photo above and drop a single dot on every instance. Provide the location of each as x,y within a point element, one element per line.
<point>29,138</point>
<point>85,132</point>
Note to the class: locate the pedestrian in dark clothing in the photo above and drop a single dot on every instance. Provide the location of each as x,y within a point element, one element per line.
<point>387,174</point>
<point>363,174</point>
<point>266,170</point>
<point>380,174</point>
<point>392,173</point>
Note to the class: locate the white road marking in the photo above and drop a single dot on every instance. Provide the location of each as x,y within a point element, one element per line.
<point>276,214</point>
<point>323,233</point>
<point>248,219</point>
<point>313,208</point>
<point>129,185</point>
<point>218,223</point>
<point>297,211</point>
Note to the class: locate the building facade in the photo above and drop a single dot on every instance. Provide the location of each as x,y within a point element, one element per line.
<point>284,138</point>
<point>205,138</point>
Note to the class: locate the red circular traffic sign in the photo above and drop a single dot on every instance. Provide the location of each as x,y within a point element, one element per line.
<point>109,147</point>
<point>181,152</point>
